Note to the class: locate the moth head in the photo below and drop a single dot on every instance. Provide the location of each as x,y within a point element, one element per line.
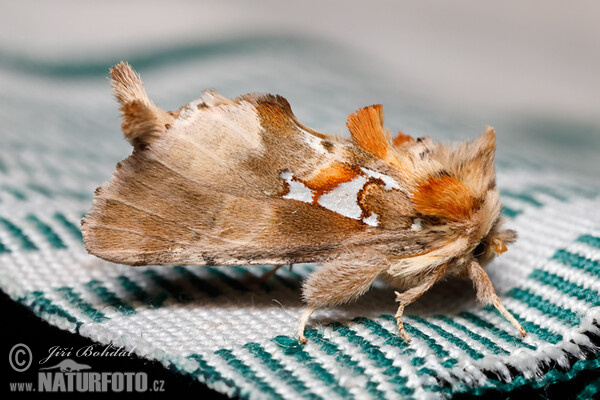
<point>473,164</point>
<point>462,192</point>
<point>494,243</point>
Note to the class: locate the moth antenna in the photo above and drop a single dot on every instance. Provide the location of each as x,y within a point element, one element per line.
<point>143,121</point>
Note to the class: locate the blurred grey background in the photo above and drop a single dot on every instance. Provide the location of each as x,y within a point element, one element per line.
<point>528,68</point>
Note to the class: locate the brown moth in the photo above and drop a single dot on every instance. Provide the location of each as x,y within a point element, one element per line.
<point>229,182</point>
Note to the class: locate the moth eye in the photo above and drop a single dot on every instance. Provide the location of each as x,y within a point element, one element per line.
<point>479,250</point>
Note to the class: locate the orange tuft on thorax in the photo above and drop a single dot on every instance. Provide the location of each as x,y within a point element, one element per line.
<point>401,138</point>
<point>366,127</point>
<point>444,196</point>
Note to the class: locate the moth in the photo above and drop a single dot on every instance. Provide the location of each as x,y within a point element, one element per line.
<point>241,181</point>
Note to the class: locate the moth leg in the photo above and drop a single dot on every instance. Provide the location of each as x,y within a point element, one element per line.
<point>270,273</point>
<point>487,295</point>
<point>334,284</point>
<point>412,294</point>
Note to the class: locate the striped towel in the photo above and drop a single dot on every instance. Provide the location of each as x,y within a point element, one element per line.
<point>61,139</point>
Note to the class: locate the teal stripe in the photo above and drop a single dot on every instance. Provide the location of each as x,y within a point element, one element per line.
<point>248,374</point>
<point>567,287</point>
<point>501,333</point>
<point>75,299</point>
<point>51,236</point>
<point>14,191</point>
<point>496,349</point>
<point>17,233</point>
<point>291,347</point>
<point>527,198</point>
<point>233,283</point>
<point>344,360</point>
<point>377,357</point>
<point>69,226</point>
<point>393,339</point>
<point>531,327</point>
<point>279,370</point>
<point>160,57</point>
<point>590,391</point>
<point>110,297</point>
<point>198,282</point>
<point>211,376</point>
<point>140,294</point>
<point>43,307</point>
<point>40,189</point>
<point>550,192</point>
<point>577,261</point>
<point>438,350</point>
<point>458,342</point>
<point>133,288</point>
<point>510,212</point>
<point>3,248</point>
<point>590,240</point>
<point>545,306</point>
<point>171,288</point>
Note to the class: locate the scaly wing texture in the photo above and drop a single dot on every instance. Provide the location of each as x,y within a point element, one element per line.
<point>243,182</point>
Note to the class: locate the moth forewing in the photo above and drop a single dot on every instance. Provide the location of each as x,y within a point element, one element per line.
<point>240,181</point>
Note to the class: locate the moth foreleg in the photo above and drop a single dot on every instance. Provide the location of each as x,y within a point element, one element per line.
<point>412,294</point>
<point>336,283</point>
<point>487,295</point>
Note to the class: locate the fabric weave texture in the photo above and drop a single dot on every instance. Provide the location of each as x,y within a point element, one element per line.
<point>61,139</point>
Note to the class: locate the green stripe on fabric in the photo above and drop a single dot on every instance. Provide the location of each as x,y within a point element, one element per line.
<point>248,374</point>
<point>69,226</point>
<point>171,288</point>
<point>393,339</point>
<point>344,360</point>
<point>42,307</point>
<point>40,189</point>
<point>279,370</point>
<point>502,334</point>
<point>377,356</point>
<point>3,248</point>
<point>291,347</point>
<point>510,212</point>
<point>110,297</point>
<point>133,288</point>
<point>527,198</point>
<point>17,233</point>
<point>14,191</point>
<point>198,282</point>
<point>438,350</point>
<point>496,349</point>
<point>590,240</point>
<point>551,377</point>
<point>75,299</point>
<point>567,287</point>
<point>159,57</point>
<point>531,327</point>
<point>390,339</point>
<point>577,261</point>
<point>233,283</point>
<point>210,375</point>
<point>545,306</point>
<point>590,391</point>
<point>458,342</point>
<point>550,192</point>
<point>51,236</point>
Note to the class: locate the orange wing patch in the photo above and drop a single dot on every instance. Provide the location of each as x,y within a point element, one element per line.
<point>366,127</point>
<point>328,178</point>
<point>444,196</point>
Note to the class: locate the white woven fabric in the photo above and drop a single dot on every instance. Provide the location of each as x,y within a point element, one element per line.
<point>61,139</point>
